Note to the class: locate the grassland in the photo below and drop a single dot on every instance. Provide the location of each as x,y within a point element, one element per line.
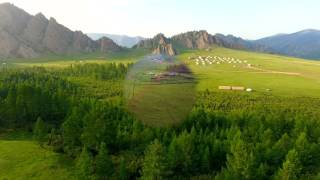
<point>124,56</point>
<point>25,159</point>
<point>283,76</point>
<point>163,104</point>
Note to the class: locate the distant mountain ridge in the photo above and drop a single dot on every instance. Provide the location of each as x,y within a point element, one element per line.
<point>192,40</point>
<point>303,44</point>
<point>26,36</point>
<point>121,40</point>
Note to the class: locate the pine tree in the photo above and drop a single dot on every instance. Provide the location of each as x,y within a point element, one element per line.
<point>104,165</point>
<point>205,160</point>
<point>154,166</point>
<point>291,167</point>
<point>72,129</point>
<point>240,161</point>
<point>84,165</point>
<point>39,131</point>
<point>122,170</point>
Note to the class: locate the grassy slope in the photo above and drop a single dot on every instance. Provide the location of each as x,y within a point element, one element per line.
<point>305,80</point>
<point>22,159</point>
<point>124,56</point>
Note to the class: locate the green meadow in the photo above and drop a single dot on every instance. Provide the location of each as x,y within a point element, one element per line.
<point>25,159</point>
<point>269,74</point>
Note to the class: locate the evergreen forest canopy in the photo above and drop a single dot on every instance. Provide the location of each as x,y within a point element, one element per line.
<point>225,136</point>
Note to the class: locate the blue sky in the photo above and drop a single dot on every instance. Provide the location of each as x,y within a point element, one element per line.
<point>250,19</point>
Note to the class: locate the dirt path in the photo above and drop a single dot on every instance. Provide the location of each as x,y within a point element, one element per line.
<point>275,72</point>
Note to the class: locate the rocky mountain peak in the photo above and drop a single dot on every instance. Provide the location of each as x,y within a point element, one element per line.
<point>107,45</point>
<point>40,16</point>
<point>194,39</point>
<point>159,44</point>
<point>53,20</point>
<point>27,36</point>
<point>165,49</point>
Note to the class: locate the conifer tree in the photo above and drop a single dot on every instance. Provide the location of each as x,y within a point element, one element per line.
<point>84,165</point>
<point>104,165</point>
<point>122,170</point>
<point>291,167</point>
<point>39,131</point>
<point>154,166</point>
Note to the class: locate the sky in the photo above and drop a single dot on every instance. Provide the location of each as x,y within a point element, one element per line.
<point>249,19</point>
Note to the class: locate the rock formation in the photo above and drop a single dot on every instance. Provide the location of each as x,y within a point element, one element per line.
<point>159,45</point>
<point>107,45</point>
<point>190,40</point>
<point>194,40</point>
<point>27,36</point>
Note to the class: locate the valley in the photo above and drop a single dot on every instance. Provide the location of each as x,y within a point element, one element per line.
<point>192,105</point>
<point>161,106</point>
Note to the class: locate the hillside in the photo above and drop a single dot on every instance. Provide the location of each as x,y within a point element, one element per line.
<point>304,44</point>
<point>26,36</point>
<point>159,44</point>
<point>266,74</point>
<point>121,40</point>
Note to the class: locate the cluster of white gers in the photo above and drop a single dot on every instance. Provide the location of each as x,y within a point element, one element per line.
<point>210,60</point>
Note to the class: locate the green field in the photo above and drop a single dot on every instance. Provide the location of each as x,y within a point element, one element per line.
<point>163,104</point>
<point>23,159</point>
<point>125,56</point>
<point>284,76</point>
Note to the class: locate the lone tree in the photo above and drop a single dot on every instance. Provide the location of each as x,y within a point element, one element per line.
<point>39,131</point>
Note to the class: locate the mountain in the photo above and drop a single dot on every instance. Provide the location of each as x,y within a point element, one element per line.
<point>158,45</point>
<point>27,36</point>
<point>304,44</point>
<point>121,40</point>
<point>192,40</point>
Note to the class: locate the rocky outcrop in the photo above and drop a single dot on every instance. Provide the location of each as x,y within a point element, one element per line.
<point>165,49</point>
<point>13,19</point>
<point>82,43</point>
<point>27,36</point>
<point>159,45</point>
<point>57,38</point>
<point>107,45</point>
<point>35,31</point>
<point>8,44</point>
<point>194,40</point>
<point>164,46</point>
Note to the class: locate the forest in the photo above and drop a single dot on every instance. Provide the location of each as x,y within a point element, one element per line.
<point>227,135</point>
